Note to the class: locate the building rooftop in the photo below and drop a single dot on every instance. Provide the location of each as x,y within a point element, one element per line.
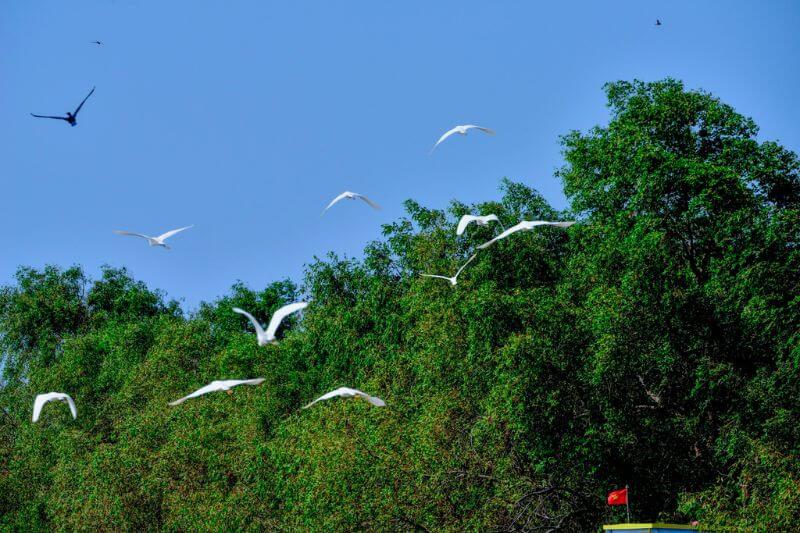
<point>654,527</point>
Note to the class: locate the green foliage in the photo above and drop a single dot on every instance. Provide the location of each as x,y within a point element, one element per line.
<point>653,344</point>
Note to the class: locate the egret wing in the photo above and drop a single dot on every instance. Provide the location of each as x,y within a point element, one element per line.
<point>436,276</point>
<point>72,408</point>
<point>255,381</point>
<point>465,221</point>
<point>172,232</point>
<point>374,400</point>
<point>525,225</point>
<point>369,202</point>
<point>447,134</point>
<point>485,130</point>
<point>465,264</point>
<point>282,313</point>
<point>38,403</point>
<point>506,233</point>
<point>211,387</point>
<point>259,329</point>
<point>535,223</point>
<point>120,232</point>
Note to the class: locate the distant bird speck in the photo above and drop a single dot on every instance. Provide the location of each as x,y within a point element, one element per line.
<point>71,117</point>
<point>98,43</point>
<point>658,22</point>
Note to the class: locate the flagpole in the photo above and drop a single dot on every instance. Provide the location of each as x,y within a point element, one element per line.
<point>628,503</point>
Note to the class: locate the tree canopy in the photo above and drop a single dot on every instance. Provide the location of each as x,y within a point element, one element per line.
<point>655,343</point>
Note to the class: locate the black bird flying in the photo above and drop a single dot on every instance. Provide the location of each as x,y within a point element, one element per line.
<point>98,43</point>
<point>70,118</point>
<point>658,22</point>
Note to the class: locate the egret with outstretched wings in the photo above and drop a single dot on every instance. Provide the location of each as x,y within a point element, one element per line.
<point>155,241</point>
<point>454,279</point>
<point>42,399</point>
<point>215,386</point>
<point>525,225</point>
<point>460,130</point>
<point>348,195</point>
<point>466,220</point>
<point>268,336</point>
<point>346,392</point>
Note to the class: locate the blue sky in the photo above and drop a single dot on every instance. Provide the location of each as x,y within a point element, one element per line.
<point>246,117</point>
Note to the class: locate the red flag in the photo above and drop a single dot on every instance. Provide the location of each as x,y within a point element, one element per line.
<point>618,497</point>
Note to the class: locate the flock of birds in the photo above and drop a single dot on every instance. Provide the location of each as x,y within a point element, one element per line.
<point>268,335</point>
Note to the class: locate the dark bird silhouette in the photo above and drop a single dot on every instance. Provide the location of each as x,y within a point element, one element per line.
<point>98,43</point>
<point>658,22</point>
<point>70,118</point>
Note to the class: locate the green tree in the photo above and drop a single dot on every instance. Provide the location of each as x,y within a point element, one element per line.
<point>655,344</point>
<point>686,265</point>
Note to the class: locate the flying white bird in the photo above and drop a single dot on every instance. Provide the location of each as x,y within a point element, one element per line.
<point>466,220</point>
<point>454,278</point>
<point>42,399</point>
<point>524,225</point>
<point>267,337</point>
<point>155,241</point>
<point>350,196</point>
<point>215,386</point>
<point>461,130</point>
<point>346,392</point>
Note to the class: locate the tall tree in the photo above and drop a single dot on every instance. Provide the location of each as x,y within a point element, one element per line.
<point>655,343</point>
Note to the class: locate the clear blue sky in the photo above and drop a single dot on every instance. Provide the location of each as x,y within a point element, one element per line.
<point>246,117</point>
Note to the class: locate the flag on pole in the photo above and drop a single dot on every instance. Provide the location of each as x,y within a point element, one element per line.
<point>618,497</point>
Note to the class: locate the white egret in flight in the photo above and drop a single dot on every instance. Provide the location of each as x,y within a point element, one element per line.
<point>215,386</point>
<point>155,241</point>
<point>524,226</point>
<point>42,399</point>
<point>454,279</point>
<point>350,196</point>
<point>466,220</point>
<point>268,336</point>
<point>346,392</point>
<point>460,130</point>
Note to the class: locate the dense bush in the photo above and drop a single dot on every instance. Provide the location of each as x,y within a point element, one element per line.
<point>655,344</point>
